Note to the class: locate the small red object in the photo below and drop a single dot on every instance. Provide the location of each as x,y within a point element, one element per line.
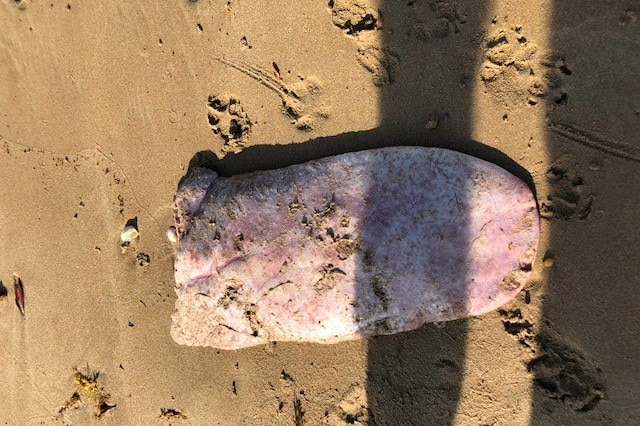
<point>19,290</point>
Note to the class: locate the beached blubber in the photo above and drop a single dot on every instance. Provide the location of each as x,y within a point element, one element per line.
<point>356,245</point>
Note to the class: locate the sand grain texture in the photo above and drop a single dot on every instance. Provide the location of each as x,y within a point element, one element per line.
<point>103,106</point>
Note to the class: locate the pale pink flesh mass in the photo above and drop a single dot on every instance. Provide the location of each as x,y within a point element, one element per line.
<point>356,245</point>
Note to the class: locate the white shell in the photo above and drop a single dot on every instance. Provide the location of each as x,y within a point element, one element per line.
<point>172,234</point>
<point>129,233</point>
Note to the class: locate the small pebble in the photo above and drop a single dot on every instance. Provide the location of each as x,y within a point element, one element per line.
<point>172,234</point>
<point>129,233</point>
<point>548,262</point>
<point>432,122</point>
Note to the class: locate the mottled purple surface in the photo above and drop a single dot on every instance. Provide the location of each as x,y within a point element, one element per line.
<point>356,245</point>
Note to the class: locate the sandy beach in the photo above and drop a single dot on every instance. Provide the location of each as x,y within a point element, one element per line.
<point>105,105</point>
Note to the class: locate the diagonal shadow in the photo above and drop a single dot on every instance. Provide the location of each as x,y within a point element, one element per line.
<point>416,377</point>
<point>586,370</point>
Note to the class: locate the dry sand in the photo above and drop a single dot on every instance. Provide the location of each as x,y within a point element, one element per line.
<point>104,105</point>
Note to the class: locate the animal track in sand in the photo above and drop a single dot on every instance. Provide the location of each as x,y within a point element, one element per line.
<point>442,19</point>
<point>301,100</point>
<point>351,410</point>
<point>354,16</point>
<point>361,20</point>
<point>516,72</point>
<point>228,119</point>
<point>595,141</point>
<point>628,17</point>
<point>517,325</point>
<point>171,415</point>
<point>570,197</point>
<point>381,63</point>
<point>565,375</point>
<point>560,371</point>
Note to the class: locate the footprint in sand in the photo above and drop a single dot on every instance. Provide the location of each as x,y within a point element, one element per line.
<point>351,410</point>
<point>381,63</point>
<point>301,99</point>
<point>361,20</point>
<point>441,19</point>
<point>516,324</point>
<point>560,371</point>
<point>516,72</point>
<point>563,374</point>
<point>570,196</point>
<point>228,119</point>
<point>354,16</point>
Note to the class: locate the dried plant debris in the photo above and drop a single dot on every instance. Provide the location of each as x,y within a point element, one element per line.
<point>89,393</point>
<point>298,412</point>
<point>301,100</point>
<point>170,414</point>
